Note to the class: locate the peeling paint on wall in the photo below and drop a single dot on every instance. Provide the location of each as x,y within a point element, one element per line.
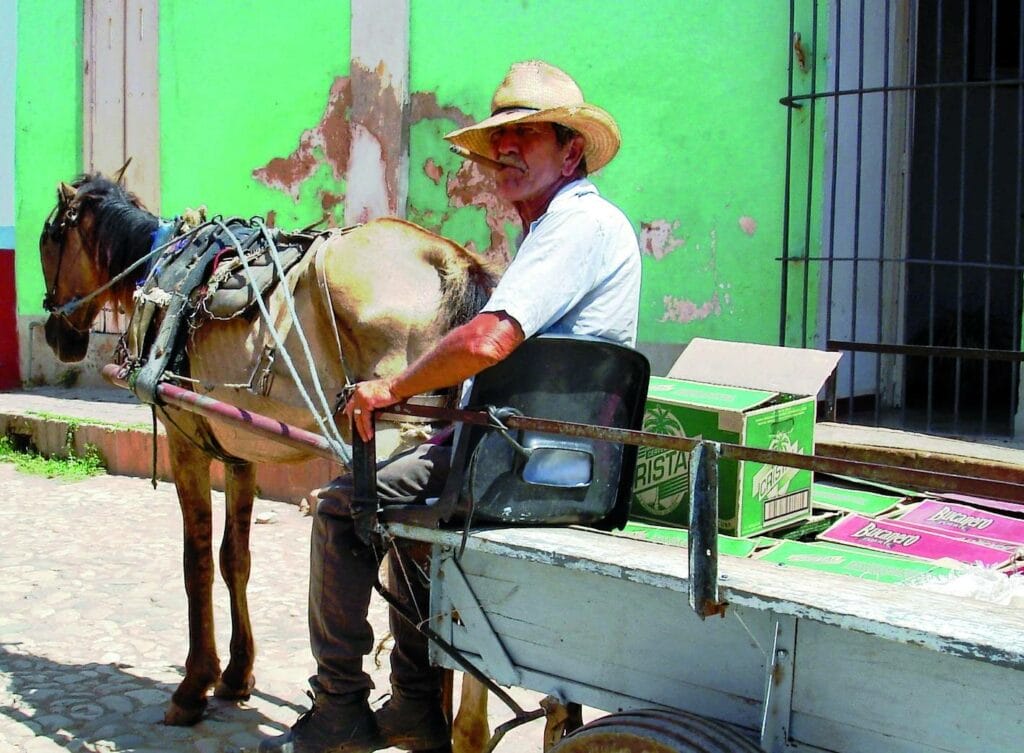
<point>748,225</point>
<point>331,142</point>
<point>424,106</point>
<point>377,116</point>
<point>470,186</point>
<point>684,312</point>
<point>657,238</point>
<point>328,142</point>
<point>433,171</point>
<point>368,170</point>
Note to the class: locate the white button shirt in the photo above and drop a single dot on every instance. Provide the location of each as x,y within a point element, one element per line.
<point>576,272</point>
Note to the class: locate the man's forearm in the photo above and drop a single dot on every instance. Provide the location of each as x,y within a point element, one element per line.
<point>467,350</point>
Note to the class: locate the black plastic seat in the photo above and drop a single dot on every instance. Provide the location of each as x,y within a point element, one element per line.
<point>553,479</point>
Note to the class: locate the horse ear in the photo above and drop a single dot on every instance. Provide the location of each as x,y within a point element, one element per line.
<point>66,192</point>
<point>119,175</point>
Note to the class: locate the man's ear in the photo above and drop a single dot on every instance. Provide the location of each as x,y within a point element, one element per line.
<point>573,156</point>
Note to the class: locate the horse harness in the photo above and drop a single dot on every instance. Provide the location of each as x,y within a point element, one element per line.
<point>216,272</point>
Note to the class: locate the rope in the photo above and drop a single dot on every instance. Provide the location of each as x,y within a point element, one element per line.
<point>327,428</point>
<point>296,323</point>
<point>152,478</point>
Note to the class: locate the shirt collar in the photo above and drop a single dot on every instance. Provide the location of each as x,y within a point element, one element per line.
<point>566,193</point>
<point>571,191</point>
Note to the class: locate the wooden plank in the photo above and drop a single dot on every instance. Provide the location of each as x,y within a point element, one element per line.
<point>860,695</point>
<point>142,100</point>
<point>572,632</point>
<point>603,620</point>
<point>496,661</point>
<point>890,611</point>
<point>103,82</point>
<point>873,444</point>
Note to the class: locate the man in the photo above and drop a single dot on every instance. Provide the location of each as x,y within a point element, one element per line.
<point>577,271</point>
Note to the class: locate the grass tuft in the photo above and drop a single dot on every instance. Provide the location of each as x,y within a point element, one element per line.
<point>70,468</point>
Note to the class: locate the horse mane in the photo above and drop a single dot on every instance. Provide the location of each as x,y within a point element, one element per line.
<point>122,229</point>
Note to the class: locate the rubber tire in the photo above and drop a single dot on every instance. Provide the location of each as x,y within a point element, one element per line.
<point>656,731</point>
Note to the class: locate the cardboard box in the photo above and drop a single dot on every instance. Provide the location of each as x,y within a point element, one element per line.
<point>898,538</point>
<point>679,537</point>
<point>755,395</point>
<point>852,499</point>
<point>967,523</point>
<point>857,563</point>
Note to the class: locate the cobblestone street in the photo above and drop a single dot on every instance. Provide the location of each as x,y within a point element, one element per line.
<point>93,622</point>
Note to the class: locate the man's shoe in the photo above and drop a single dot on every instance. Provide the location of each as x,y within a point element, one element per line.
<point>412,724</point>
<point>335,724</point>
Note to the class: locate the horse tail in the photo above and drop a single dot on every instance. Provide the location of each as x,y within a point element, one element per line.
<point>467,281</point>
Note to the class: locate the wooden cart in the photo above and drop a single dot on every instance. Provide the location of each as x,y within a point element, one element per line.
<point>792,661</point>
<point>799,661</point>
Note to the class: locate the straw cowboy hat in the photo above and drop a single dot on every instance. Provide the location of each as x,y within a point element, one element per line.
<point>534,91</point>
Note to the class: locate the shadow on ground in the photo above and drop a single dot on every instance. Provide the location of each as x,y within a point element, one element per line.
<point>109,707</point>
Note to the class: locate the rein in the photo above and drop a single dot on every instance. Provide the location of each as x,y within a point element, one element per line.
<point>163,238</point>
<point>323,417</point>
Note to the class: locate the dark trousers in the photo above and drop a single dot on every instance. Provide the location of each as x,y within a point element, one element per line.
<point>343,571</point>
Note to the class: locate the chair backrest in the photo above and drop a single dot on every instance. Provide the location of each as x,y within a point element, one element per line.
<point>558,480</point>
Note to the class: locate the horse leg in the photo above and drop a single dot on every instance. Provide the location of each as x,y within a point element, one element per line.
<point>236,683</point>
<point>560,719</point>
<point>470,731</point>
<point>191,469</point>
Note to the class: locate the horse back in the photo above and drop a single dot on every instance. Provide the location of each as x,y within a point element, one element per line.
<point>395,290</point>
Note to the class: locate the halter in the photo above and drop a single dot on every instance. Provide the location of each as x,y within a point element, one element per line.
<point>161,240</point>
<point>68,219</point>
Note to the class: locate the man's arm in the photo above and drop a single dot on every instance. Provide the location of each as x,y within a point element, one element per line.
<point>485,340</point>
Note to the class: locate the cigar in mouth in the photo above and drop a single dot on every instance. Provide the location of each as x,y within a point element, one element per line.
<point>494,164</point>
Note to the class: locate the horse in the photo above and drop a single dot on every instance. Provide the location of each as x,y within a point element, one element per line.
<point>392,290</point>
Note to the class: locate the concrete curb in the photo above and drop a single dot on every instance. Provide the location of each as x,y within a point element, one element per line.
<point>52,421</point>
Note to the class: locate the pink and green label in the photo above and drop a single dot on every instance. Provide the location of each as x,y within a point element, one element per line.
<point>912,541</point>
<point>951,518</point>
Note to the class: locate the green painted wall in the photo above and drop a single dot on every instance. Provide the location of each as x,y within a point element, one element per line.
<point>239,84</point>
<point>246,105</point>
<point>236,91</point>
<point>48,129</point>
<point>695,89</point>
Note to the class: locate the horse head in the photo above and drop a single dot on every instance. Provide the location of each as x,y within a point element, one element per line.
<point>81,246</point>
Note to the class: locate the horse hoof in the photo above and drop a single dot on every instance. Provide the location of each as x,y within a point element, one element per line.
<point>230,692</point>
<point>179,716</point>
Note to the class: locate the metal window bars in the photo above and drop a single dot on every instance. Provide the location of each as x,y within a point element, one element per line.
<point>903,207</point>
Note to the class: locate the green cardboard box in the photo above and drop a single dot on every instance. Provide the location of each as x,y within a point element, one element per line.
<point>846,560</point>
<point>740,393</point>
<point>853,499</point>
<point>679,537</point>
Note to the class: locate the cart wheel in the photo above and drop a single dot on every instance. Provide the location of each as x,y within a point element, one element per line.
<point>656,731</point>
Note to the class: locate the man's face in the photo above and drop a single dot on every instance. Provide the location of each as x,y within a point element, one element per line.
<point>534,146</point>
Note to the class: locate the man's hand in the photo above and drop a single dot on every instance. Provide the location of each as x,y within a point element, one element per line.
<point>367,397</point>
<point>467,350</point>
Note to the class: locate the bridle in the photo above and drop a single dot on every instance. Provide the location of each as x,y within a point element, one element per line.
<point>68,219</point>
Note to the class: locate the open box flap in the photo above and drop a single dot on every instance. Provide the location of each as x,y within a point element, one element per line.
<point>715,396</point>
<point>795,371</point>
